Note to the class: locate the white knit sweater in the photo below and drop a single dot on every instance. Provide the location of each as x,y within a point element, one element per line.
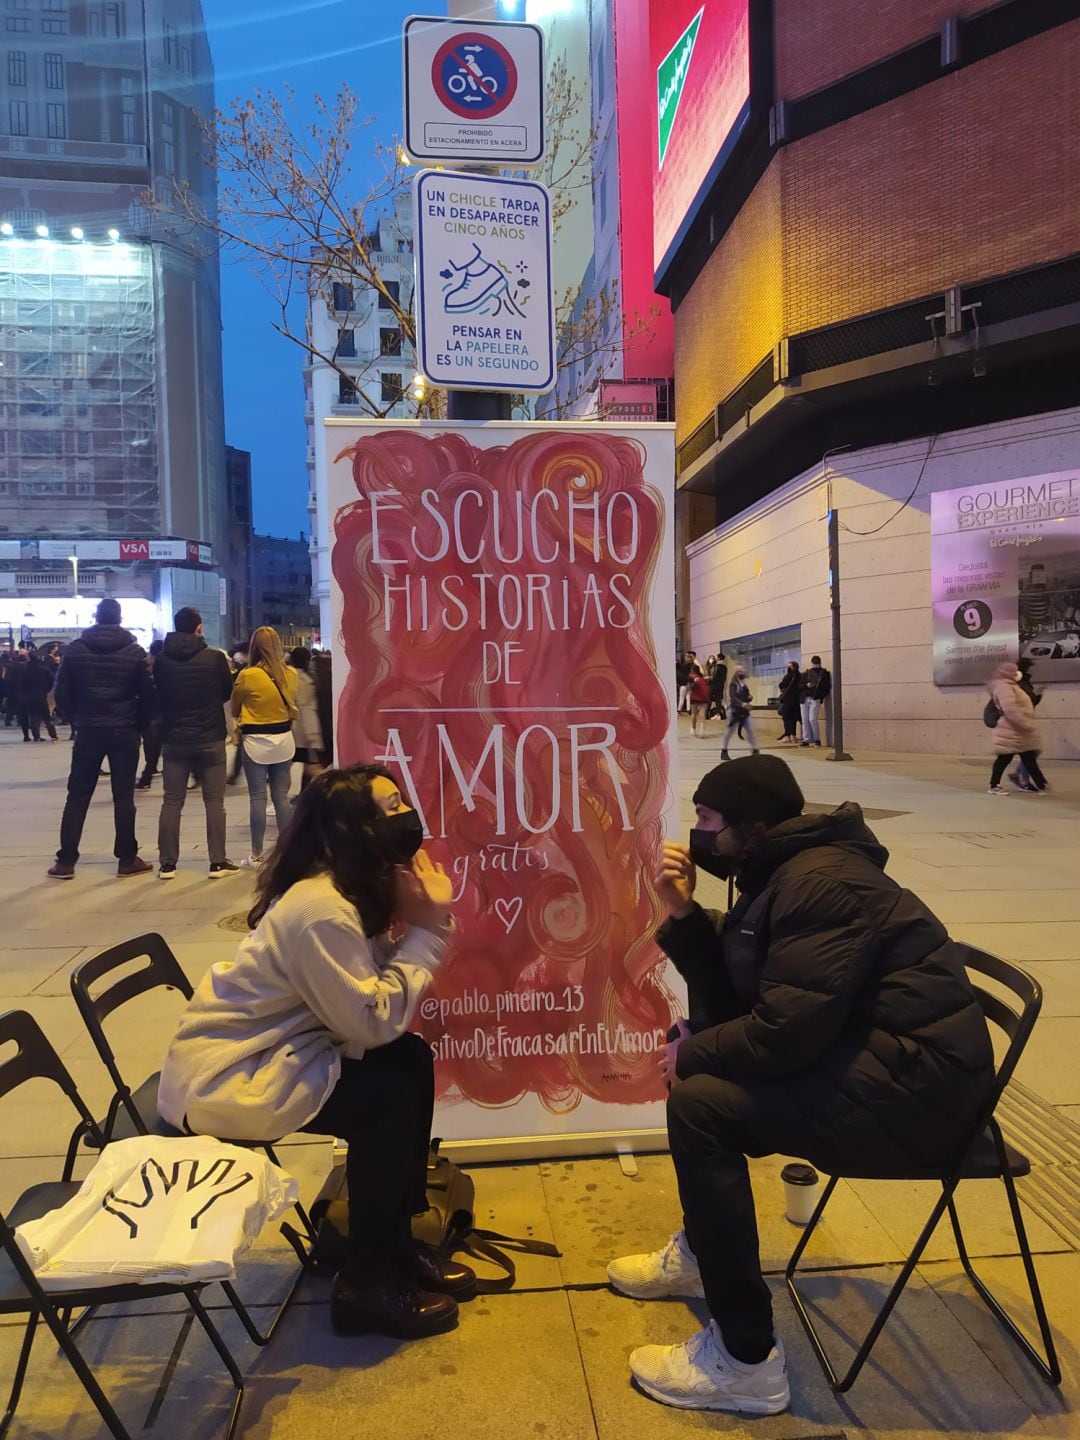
<point>259,1047</point>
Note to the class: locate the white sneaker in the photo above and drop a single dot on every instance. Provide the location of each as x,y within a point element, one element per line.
<point>251,863</point>
<point>699,1374</point>
<point>997,790</point>
<point>670,1271</point>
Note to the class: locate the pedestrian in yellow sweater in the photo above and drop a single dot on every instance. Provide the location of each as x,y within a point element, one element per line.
<point>264,703</point>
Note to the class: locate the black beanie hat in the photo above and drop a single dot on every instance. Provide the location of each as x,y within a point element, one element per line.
<point>754,788</point>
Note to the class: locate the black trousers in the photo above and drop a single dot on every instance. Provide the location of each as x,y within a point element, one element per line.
<point>151,743</point>
<point>1031,764</point>
<point>790,718</point>
<point>382,1106</point>
<point>713,1125</point>
<point>91,749</point>
<point>33,715</point>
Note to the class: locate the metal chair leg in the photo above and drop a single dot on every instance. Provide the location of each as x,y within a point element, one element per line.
<point>75,1359</point>
<point>1048,1366</point>
<point>224,1353</point>
<point>20,1372</point>
<point>841,1384</point>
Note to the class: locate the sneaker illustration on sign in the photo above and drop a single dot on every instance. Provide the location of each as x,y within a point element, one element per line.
<point>482,287</point>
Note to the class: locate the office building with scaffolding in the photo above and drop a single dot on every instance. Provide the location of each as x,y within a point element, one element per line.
<point>112,451</point>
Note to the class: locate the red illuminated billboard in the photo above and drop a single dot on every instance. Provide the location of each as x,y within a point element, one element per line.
<point>700,61</point>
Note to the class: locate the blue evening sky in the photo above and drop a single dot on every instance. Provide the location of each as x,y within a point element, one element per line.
<point>312,45</point>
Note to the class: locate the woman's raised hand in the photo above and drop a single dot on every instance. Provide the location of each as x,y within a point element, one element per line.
<point>424,893</point>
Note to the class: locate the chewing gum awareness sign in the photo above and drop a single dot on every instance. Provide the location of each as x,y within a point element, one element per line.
<point>1006,578</point>
<point>505,599</point>
<point>485,315</point>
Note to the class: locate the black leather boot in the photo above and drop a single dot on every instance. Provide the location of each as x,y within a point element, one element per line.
<point>392,1305</point>
<point>426,1268</point>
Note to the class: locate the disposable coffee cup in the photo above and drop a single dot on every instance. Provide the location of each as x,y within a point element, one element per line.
<point>800,1192</point>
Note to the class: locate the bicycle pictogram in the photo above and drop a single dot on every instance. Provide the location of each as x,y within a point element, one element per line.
<point>474,76</point>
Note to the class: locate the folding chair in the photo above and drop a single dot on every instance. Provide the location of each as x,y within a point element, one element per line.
<point>136,1113</point>
<point>986,1155</point>
<point>20,1291</point>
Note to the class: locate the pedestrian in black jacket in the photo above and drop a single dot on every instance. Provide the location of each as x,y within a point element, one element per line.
<point>34,681</point>
<point>831,1019</point>
<point>790,701</point>
<point>104,688</point>
<point>194,684</point>
<point>813,692</point>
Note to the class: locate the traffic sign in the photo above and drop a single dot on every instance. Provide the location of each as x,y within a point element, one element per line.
<point>474,92</point>
<point>484,311</point>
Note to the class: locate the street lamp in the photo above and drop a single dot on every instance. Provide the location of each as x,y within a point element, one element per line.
<point>74,561</point>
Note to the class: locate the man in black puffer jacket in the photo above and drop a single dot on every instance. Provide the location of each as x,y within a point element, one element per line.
<point>831,1019</point>
<point>193,685</point>
<point>104,688</point>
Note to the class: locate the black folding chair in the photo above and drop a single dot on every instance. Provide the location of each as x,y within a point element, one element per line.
<point>136,1112</point>
<point>20,1291</point>
<point>985,1156</point>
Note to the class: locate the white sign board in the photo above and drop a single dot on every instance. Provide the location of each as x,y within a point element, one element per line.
<point>485,315</point>
<point>474,91</point>
<point>515,674</point>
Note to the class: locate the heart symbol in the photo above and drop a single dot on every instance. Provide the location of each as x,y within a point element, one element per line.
<point>508,911</point>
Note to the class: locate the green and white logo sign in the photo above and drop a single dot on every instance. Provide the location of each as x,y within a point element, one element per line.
<point>671,80</point>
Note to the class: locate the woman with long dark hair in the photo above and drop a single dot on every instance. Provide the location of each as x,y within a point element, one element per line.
<point>309,1029</point>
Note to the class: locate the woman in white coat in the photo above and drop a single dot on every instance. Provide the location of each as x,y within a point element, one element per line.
<point>309,1028</point>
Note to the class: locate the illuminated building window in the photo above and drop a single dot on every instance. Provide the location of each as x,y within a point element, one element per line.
<point>127,109</point>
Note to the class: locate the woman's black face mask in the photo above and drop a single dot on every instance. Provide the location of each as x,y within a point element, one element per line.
<point>705,857</point>
<point>400,836</point>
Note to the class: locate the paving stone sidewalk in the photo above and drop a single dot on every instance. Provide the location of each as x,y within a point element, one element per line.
<point>549,1359</point>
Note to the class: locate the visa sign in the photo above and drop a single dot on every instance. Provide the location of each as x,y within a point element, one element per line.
<point>670,80</point>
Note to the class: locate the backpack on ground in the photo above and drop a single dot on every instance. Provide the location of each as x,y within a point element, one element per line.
<point>448,1224</point>
<point>991,714</point>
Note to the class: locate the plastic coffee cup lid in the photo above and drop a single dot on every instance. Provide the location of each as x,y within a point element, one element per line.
<point>799,1175</point>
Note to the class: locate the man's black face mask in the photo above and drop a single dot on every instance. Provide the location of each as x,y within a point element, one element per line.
<point>705,857</point>
<point>400,836</point>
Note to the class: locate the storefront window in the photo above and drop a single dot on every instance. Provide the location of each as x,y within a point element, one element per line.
<point>765,657</point>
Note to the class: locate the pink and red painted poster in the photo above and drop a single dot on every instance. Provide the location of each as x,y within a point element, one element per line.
<point>504,622</point>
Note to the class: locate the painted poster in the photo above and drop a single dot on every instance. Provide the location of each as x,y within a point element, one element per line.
<point>504,602</point>
<point>1006,578</point>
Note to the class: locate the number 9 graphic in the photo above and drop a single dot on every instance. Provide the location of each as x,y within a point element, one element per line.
<point>972,619</point>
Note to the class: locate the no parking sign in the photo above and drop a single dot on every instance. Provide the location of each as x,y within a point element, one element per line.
<point>474,91</point>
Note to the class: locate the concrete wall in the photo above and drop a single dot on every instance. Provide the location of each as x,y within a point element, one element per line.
<point>768,567</point>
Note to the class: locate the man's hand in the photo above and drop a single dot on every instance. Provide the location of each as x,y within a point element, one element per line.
<point>668,1073</point>
<point>676,879</point>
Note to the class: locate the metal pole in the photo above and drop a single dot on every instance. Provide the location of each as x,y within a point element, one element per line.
<point>839,753</point>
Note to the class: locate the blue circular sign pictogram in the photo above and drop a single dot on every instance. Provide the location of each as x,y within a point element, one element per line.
<point>474,76</point>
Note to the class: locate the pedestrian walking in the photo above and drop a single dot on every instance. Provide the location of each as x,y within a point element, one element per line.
<point>34,682</point>
<point>790,701</point>
<point>813,692</point>
<point>699,702</point>
<point>105,689</point>
<point>264,702</point>
<point>1020,777</point>
<point>239,660</point>
<point>718,689</point>
<point>151,737</point>
<point>307,727</point>
<point>682,684</point>
<point>194,684</point>
<point>1016,730</point>
<point>738,716</point>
